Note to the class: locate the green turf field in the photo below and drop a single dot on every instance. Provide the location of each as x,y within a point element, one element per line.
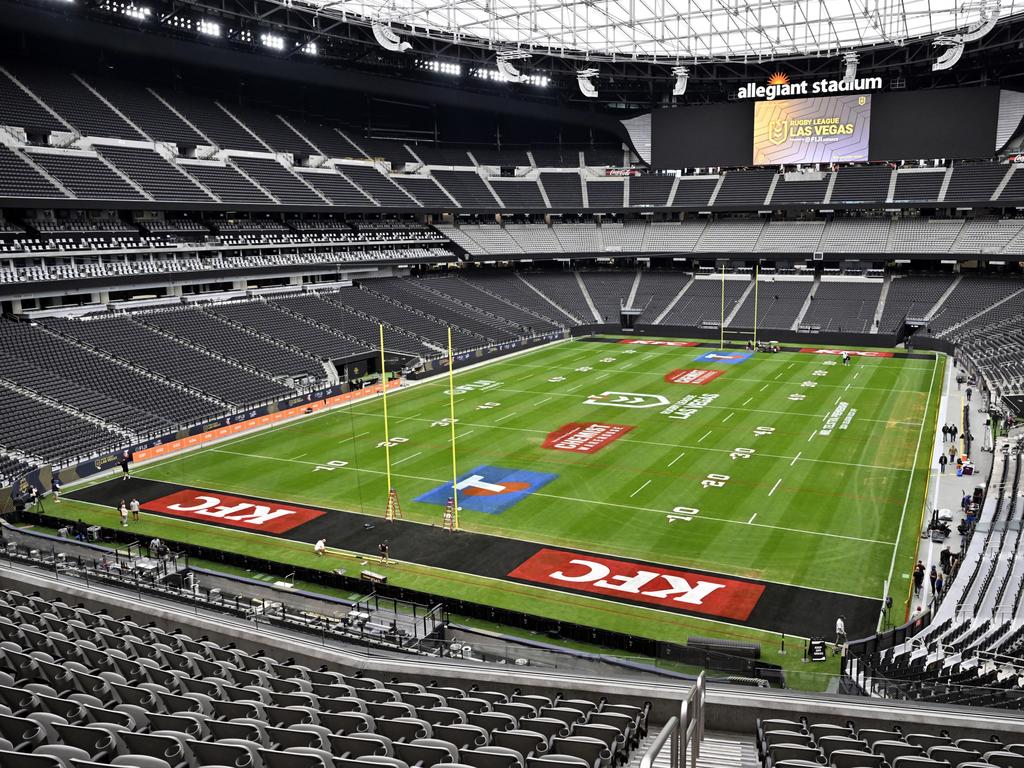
<point>798,506</point>
<point>788,468</point>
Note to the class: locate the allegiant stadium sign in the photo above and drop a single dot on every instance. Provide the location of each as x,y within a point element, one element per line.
<point>779,85</point>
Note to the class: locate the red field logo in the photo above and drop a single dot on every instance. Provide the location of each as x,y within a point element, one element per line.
<point>850,352</point>
<point>584,437</point>
<point>658,343</point>
<point>651,584</point>
<point>692,376</point>
<point>238,512</point>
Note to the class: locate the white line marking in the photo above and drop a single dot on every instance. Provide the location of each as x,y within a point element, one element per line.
<point>846,388</point>
<point>728,417</point>
<point>301,455</point>
<point>858,372</point>
<point>396,463</point>
<point>541,402</point>
<point>702,439</point>
<point>762,389</point>
<point>812,435</point>
<point>837,400</point>
<point>355,437</point>
<point>573,389</point>
<point>775,486</point>
<point>507,416</point>
<point>790,366</point>
<point>747,401</point>
<point>464,434</point>
<point>677,458</point>
<point>603,376</point>
<point>795,458</point>
<point>751,518</point>
<point>779,376</point>
<point>910,481</point>
<point>634,493</point>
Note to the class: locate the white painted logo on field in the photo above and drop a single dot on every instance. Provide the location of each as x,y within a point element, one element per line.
<point>627,400</point>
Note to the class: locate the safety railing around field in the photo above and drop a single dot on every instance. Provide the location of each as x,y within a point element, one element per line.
<point>683,733</point>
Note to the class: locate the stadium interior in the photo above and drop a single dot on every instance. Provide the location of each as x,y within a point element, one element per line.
<point>279,271</point>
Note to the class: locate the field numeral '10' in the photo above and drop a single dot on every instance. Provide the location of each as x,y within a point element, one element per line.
<point>686,514</point>
<point>330,466</point>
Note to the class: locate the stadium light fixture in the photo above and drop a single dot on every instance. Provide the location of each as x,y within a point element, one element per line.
<point>682,78</point>
<point>387,38</point>
<point>541,81</point>
<point>209,28</point>
<point>583,80</point>
<point>310,48</point>
<point>440,67</point>
<point>130,10</point>
<point>274,42</point>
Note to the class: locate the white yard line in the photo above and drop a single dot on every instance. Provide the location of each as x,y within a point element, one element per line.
<point>634,493</point>
<point>795,458</point>
<point>573,389</point>
<point>463,434</point>
<point>812,435</point>
<point>779,376</point>
<point>910,480</point>
<point>301,455</point>
<point>777,482</point>
<point>747,400</point>
<point>507,416</point>
<point>728,417</point>
<point>702,516</point>
<point>413,456</point>
<point>702,438</point>
<point>752,517</point>
<point>762,389</point>
<point>541,402</point>
<point>677,458</point>
<point>356,437</point>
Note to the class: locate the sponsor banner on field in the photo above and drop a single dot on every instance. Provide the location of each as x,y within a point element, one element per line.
<point>722,356</point>
<point>584,437</point>
<point>488,489</point>
<point>698,376</point>
<point>850,352</point>
<point>658,343</point>
<point>655,585</point>
<point>236,511</point>
<point>218,430</point>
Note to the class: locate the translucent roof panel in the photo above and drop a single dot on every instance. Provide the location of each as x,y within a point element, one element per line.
<point>670,30</point>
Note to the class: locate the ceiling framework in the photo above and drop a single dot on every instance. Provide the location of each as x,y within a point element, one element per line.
<point>670,31</point>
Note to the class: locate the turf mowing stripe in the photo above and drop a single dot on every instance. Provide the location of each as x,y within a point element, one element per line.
<point>777,482</point>
<point>823,534</point>
<point>910,481</point>
<point>634,493</point>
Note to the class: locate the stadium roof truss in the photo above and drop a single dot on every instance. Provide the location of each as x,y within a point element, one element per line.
<point>670,30</point>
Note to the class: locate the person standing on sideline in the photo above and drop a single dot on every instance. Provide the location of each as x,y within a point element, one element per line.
<point>953,432</point>
<point>937,593</point>
<point>320,547</point>
<point>968,394</point>
<point>125,458</point>
<point>55,489</point>
<point>942,463</point>
<point>384,549</point>
<point>122,511</point>
<point>918,577</point>
<point>945,433</point>
<point>33,499</point>
<point>952,453</point>
<point>841,631</point>
<point>932,576</point>
<point>134,507</point>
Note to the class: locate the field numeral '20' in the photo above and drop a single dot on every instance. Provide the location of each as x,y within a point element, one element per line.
<point>714,480</point>
<point>330,466</point>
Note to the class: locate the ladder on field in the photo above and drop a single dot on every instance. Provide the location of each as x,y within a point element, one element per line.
<point>393,511</point>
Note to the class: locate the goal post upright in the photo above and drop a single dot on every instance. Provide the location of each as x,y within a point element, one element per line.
<point>721,325</point>
<point>757,272</point>
<point>451,421</point>
<point>387,437</point>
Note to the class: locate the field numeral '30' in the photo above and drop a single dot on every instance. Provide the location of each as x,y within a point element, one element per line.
<point>330,466</point>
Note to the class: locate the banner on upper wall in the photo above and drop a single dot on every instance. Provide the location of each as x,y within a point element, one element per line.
<point>831,129</point>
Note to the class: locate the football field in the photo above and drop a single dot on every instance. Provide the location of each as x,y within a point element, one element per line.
<point>769,490</point>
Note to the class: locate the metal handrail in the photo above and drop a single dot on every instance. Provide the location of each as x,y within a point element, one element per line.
<point>684,731</point>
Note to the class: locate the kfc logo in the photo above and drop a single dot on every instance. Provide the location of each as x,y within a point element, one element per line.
<point>250,514</point>
<point>657,343</point>
<point>642,583</point>
<point>850,352</point>
<point>699,376</point>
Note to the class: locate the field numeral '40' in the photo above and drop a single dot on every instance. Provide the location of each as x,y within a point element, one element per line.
<point>686,514</point>
<point>330,466</point>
